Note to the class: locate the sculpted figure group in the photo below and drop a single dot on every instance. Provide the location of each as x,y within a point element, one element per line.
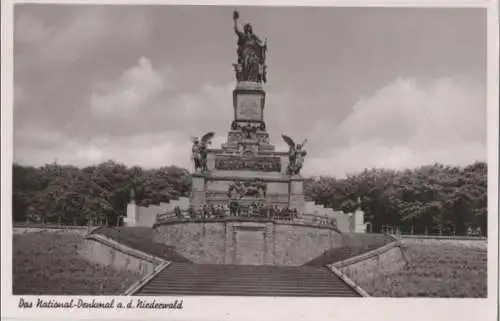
<point>234,208</point>
<point>254,188</point>
<point>296,153</point>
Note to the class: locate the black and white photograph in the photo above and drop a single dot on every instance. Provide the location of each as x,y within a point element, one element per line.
<point>243,151</point>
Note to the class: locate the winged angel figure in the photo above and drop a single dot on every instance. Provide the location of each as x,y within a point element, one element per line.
<point>199,151</point>
<point>296,155</point>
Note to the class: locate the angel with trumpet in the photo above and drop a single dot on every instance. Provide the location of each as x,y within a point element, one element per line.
<point>296,155</point>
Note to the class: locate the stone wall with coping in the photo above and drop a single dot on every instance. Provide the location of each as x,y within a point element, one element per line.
<point>296,245</point>
<point>106,252</point>
<point>198,242</point>
<point>216,242</point>
<point>80,230</point>
<point>366,267</point>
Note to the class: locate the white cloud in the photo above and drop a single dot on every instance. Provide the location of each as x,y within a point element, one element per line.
<point>62,41</point>
<point>405,124</point>
<point>143,100</point>
<point>134,89</point>
<point>136,118</point>
<point>157,123</point>
<point>29,29</point>
<point>408,124</point>
<point>39,146</point>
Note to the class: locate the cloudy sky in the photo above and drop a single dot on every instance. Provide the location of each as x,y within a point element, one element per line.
<point>368,87</point>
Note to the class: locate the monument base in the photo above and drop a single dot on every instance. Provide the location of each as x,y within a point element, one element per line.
<point>297,199</point>
<point>198,197</point>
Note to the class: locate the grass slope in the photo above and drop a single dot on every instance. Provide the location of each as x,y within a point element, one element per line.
<point>352,245</point>
<point>48,263</point>
<point>141,238</point>
<point>436,270</point>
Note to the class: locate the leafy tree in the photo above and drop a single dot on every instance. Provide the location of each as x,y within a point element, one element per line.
<point>429,197</point>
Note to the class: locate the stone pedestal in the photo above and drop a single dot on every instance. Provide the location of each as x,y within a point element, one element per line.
<point>297,199</point>
<point>248,102</point>
<point>197,191</point>
<point>359,222</point>
<point>247,163</point>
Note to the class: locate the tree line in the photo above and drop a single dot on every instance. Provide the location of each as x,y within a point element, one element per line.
<point>438,197</point>
<point>435,196</point>
<point>70,195</point>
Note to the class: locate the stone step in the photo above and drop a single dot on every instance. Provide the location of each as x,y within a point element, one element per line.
<point>251,275</point>
<point>243,280</point>
<point>225,267</point>
<point>245,276</point>
<point>246,280</point>
<point>186,274</point>
<point>239,292</point>
<point>245,290</point>
<point>305,271</point>
<point>234,284</point>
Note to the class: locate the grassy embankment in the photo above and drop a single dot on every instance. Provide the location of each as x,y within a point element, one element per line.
<point>352,245</point>
<point>141,238</point>
<point>48,263</point>
<point>436,269</point>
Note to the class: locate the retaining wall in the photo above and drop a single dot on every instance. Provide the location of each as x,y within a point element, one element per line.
<point>250,243</point>
<point>365,267</point>
<point>68,229</point>
<point>104,251</point>
<point>295,245</point>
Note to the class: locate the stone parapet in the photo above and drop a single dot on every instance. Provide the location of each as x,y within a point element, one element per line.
<point>107,252</point>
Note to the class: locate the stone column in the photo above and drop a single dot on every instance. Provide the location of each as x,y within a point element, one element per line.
<point>198,190</point>
<point>297,199</point>
<point>131,219</point>
<point>359,221</point>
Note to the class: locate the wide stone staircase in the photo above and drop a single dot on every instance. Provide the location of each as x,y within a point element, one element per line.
<point>245,280</point>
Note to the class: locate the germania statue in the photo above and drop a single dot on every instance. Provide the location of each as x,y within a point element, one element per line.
<point>251,54</point>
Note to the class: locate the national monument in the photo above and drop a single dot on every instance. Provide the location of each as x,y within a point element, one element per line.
<point>246,228</point>
<point>247,169</point>
<point>246,176</point>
